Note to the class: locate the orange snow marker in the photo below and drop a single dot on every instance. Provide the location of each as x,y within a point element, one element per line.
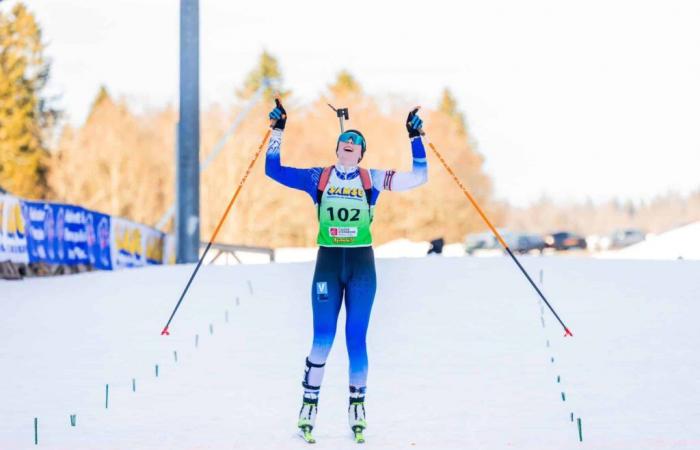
<point>495,232</point>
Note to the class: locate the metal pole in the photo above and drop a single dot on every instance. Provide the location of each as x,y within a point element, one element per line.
<point>187,189</point>
<point>219,146</point>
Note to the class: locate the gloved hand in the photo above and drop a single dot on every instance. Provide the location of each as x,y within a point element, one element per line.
<point>414,123</point>
<point>279,115</point>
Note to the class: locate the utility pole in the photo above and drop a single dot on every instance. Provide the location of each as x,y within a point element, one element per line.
<point>187,170</point>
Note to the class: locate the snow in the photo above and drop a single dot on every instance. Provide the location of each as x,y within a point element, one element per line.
<point>454,250</point>
<point>399,248</point>
<point>458,357</point>
<point>295,254</point>
<point>679,243</point>
<point>402,248</point>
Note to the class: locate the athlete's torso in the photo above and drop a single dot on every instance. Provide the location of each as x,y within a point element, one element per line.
<point>344,213</point>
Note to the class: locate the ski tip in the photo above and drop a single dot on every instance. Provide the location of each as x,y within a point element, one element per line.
<point>165,332</point>
<point>568,332</point>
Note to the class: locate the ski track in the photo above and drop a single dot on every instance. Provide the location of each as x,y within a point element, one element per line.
<point>458,358</point>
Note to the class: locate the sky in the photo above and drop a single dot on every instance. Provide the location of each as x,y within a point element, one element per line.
<point>572,100</point>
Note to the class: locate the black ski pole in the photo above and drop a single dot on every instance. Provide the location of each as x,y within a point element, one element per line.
<point>567,332</point>
<point>165,331</point>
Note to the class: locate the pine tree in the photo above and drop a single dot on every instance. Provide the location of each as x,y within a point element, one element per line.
<point>102,96</point>
<point>26,117</point>
<point>345,84</point>
<point>267,68</point>
<point>448,106</point>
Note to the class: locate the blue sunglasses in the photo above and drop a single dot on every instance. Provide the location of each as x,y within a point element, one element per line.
<point>352,137</point>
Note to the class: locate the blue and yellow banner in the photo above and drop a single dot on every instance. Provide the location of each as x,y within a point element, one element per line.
<point>56,233</point>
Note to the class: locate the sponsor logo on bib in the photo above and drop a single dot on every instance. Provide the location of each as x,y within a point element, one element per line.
<point>346,192</point>
<point>342,231</point>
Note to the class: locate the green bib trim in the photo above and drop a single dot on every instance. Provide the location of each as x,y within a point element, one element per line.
<point>344,213</point>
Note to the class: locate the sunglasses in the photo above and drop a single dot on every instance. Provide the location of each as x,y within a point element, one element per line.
<point>351,137</point>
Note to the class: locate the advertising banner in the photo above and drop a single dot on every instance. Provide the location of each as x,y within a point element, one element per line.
<point>169,249</point>
<point>55,233</point>
<point>97,229</point>
<point>13,237</point>
<point>135,245</point>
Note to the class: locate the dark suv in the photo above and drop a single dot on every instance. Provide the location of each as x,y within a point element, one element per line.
<point>565,240</point>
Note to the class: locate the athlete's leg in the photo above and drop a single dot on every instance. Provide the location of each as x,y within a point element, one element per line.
<point>359,296</point>
<point>326,298</point>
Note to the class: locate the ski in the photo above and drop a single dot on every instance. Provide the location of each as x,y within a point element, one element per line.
<point>305,434</point>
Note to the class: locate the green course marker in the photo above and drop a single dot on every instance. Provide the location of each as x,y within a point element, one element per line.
<point>572,417</point>
<point>580,433</point>
<point>72,420</point>
<point>175,355</point>
<point>36,431</point>
<point>133,384</point>
<point>156,370</point>
<point>106,396</point>
<point>563,397</point>
<point>211,328</point>
<point>558,379</point>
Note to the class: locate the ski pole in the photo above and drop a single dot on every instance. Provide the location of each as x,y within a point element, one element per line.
<point>567,332</point>
<point>218,227</point>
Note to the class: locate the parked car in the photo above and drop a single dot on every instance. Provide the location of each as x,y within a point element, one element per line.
<point>523,243</point>
<point>480,241</point>
<point>531,242</point>
<point>626,237</point>
<point>565,240</point>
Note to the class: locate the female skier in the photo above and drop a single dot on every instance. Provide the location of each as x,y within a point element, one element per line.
<point>344,195</point>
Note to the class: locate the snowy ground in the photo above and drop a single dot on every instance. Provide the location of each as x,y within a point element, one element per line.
<point>458,355</point>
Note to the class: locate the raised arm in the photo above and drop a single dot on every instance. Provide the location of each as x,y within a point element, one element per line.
<point>303,179</point>
<point>390,180</point>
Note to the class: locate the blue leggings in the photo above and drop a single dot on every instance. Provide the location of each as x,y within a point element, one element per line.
<point>341,273</point>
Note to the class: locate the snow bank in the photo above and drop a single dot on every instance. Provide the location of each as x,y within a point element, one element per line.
<point>679,243</point>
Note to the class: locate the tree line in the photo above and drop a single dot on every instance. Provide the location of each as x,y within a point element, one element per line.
<point>122,162</point>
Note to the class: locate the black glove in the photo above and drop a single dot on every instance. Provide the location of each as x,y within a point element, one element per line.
<point>279,115</point>
<point>414,124</point>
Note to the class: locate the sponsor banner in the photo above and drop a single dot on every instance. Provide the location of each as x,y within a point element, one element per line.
<point>4,256</point>
<point>97,229</point>
<point>134,245</point>
<point>13,237</point>
<point>55,233</point>
<point>169,255</point>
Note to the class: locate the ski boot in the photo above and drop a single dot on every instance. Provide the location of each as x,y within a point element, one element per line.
<point>313,374</point>
<point>356,413</point>
<point>307,417</point>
